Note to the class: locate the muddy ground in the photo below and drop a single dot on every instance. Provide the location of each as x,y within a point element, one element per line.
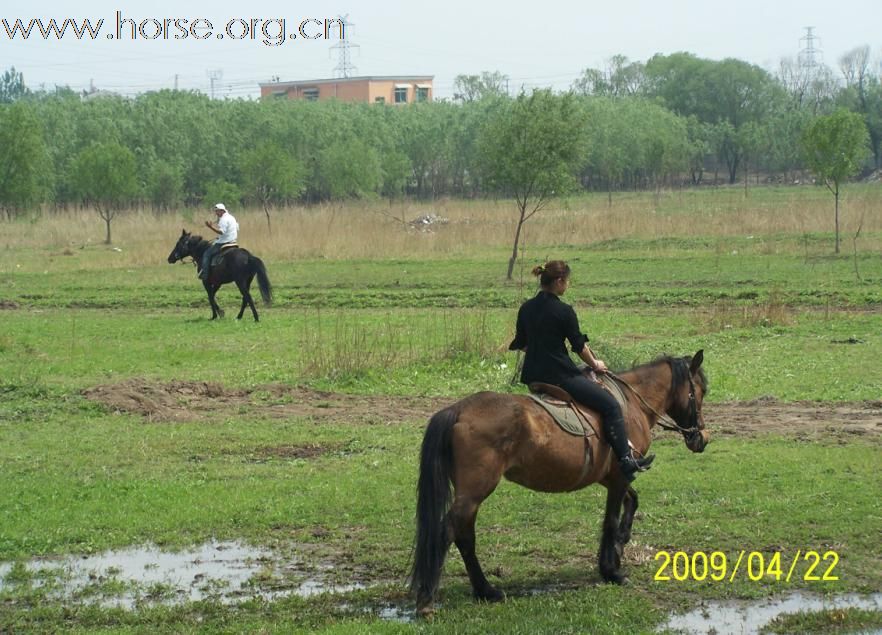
<point>202,401</point>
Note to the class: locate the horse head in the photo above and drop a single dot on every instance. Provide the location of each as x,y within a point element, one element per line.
<point>689,386</point>
<point>182,248</point>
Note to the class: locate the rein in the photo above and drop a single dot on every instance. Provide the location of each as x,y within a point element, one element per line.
<point>664,420</point>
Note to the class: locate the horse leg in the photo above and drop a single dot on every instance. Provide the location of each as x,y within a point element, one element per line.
<point>609,557</point>
<point>475,482</point>
<point>244,285</point>
<point>211,290</point>
<point>244,291</point>
<point>629,509</point>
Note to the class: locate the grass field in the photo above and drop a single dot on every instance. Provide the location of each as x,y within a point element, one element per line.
<point>127,418</point>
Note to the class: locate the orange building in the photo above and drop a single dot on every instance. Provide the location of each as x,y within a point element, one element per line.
<point>372,90</point>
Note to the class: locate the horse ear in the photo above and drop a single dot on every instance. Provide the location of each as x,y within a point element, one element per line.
<point>696,361</point>
<point>183,232</point>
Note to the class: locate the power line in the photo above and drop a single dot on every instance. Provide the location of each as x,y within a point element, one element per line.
<point>344,67</point>
<point>809,57</point>
<point>214,75</point>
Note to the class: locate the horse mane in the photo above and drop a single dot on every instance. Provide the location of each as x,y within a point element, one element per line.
<point>195,240</point>
<point>679,369</point>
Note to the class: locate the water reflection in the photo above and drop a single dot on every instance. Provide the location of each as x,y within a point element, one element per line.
<point>744,618</point>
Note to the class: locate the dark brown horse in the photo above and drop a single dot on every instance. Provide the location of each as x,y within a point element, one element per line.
<point>237,265</point>
<point>478,440</point>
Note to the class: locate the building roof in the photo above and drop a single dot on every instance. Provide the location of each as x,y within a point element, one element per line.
<point>338,80</point>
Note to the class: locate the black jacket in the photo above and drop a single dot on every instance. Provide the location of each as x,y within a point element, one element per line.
<point>544,323</point>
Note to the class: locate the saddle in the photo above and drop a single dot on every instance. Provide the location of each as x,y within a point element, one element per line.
<point>571,416</point>
<point>216,258</point>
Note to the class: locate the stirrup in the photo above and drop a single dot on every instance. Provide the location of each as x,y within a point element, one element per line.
<point>630,465</point>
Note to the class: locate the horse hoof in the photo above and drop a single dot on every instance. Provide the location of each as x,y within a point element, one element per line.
<point>616,577</point>
<point>425,612</point>
<point>491,595</point>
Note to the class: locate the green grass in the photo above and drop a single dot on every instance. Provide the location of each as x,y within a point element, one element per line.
<point>776,315</point>
<point>78,481</point>
<point>807,356</point>
<point>831,621</point>
<point>623,273</point>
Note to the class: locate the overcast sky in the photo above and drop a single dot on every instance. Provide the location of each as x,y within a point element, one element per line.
<point>535,44</point>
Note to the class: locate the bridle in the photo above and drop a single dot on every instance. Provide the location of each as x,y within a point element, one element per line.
<point>185,247</point>
<point>689,432</point>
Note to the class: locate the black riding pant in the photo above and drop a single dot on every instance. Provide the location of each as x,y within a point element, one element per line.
<point>593,396</point>
<point>208,255</point>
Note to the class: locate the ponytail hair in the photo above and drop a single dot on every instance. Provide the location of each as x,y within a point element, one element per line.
<point>551,271</point>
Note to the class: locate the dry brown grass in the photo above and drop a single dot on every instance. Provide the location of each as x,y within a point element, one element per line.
<point>728,315</point>
<point>369,229</point>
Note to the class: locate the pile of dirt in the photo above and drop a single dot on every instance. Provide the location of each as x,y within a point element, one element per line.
<point>801,419</point>
<point>205,401</point>
<point>174,401</point>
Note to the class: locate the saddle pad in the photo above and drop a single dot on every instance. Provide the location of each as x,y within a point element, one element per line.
<point>565,416</point>
<point>613,387</point>
<point>562,414</point>
<point>219,256</point>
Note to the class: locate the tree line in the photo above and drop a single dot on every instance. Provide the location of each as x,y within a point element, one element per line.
<point>673,119</point>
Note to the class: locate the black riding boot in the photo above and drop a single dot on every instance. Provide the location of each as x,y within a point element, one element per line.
<point>592,395</point>
<point>629,464</point>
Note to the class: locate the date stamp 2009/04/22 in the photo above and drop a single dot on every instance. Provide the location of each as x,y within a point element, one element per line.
<point>756,566</point>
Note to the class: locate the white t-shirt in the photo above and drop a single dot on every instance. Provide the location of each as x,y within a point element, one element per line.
<point>229,229</point>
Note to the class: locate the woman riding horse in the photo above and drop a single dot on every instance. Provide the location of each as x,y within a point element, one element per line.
<point>477,441</point>
<point>544,322</point>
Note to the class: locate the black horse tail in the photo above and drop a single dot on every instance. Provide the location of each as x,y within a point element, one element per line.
<point>266,289</point>
<point>433,501</point>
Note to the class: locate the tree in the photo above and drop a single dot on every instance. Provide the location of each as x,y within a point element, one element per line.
<point>531,148</point>
<point>24,160</point>
<point>622,78</point>
<point>863,94</point>
<point>271,175</point>
<point>467,88</point>
<point>104,176</point>
<point>728,94</point>
<point>12,86</point>
<point>835,146</point>
<point>221,191</point>
<point>165,184</point>
<point>810,87</point>
<point>348,169</point>
<point>612,141</point>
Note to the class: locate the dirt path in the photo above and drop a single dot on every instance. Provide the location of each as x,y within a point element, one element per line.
<point>199,401</point>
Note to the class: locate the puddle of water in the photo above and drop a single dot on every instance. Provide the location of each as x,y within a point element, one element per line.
<point>389,613</point>
<point>397,614</point>
<point>317,587</point>
<point>745,618</point>
<point>226,571</point>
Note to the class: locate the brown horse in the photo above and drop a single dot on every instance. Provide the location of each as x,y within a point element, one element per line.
<point>478,440</point>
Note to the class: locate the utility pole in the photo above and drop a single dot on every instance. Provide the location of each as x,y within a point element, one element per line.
<point>213,76</point>
<point>344,67</point>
